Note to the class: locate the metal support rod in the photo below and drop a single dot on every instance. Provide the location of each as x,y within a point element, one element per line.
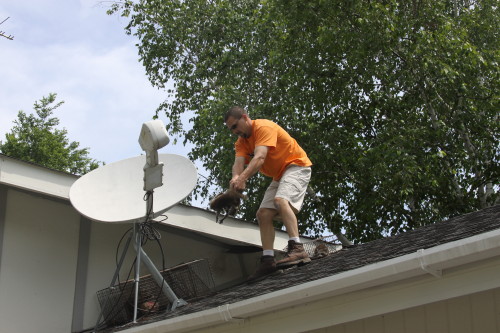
<point>160,280</point>
<point>138,245</point>
<point>141,255</point>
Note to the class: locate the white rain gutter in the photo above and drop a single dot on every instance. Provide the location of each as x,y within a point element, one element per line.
<point>429,261</point>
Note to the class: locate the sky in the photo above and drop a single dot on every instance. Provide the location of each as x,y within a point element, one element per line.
<point>74,49</point>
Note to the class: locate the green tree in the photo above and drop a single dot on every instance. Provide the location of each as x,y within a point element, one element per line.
<point>35,138</point>
<point>396,102</point>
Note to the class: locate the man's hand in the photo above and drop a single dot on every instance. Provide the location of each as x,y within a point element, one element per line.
<point>238,183</point>
<point>241,174</point>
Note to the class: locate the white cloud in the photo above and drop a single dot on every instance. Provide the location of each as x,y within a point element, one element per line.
<point>83,55</point>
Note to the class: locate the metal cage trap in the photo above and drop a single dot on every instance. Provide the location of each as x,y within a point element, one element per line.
<point>321,247</point>
<point>189,281</point>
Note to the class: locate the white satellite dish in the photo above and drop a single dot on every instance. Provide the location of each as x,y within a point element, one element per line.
<point>114,193</point>
<point>124,192</point>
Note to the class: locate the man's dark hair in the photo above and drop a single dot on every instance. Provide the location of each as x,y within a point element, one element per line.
<point>236,112</point>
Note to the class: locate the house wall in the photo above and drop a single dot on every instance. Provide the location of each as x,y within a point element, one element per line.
<point>37,274</point>
<point>475,313</point>
<point>53,261</point>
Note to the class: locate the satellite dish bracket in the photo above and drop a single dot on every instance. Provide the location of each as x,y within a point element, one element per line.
<point>153,177</point>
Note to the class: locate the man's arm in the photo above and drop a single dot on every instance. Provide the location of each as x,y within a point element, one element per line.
<point>238,166</point>
<point>241,174</point>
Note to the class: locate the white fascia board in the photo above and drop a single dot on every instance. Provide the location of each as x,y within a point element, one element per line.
<point>203,221</point>
<point>35,178</point>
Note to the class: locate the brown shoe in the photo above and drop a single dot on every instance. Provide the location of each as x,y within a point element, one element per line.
<point>296,255</point>
<point>267,266</point>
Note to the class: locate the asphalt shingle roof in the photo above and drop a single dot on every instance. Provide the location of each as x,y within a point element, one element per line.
<point>350,258</point>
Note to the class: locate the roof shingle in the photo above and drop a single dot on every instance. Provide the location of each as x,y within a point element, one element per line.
<point>350,258</point>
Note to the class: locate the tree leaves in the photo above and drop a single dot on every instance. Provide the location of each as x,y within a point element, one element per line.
<point>35,138</point>
<point>394,102</point>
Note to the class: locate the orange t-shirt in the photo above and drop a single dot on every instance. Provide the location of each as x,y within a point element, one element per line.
<point>283,149</point>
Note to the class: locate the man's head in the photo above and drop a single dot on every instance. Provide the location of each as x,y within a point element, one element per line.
<point>238,122</point>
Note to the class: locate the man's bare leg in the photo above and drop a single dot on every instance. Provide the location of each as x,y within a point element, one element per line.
<point>265,217</point>
<point>267,265</point>
<point>288,216</point>
<point>296,255</point>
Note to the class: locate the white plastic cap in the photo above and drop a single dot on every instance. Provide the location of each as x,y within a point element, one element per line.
<point>153,135</point>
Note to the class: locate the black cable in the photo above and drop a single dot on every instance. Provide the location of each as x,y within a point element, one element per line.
<point>146,228</point>
<point>149,231</point>
<point>118,247</point>
<point>165,217</point>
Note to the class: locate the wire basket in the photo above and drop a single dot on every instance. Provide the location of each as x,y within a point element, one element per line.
<point>321,247</point>
<point>113,302</point>
<point>188,281</point>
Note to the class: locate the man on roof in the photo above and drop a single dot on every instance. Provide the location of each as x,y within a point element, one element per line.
<point>264,146</point>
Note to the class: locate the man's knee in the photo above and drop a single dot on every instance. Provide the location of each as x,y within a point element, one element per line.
<point>264,215</point>
<point>279,203</point>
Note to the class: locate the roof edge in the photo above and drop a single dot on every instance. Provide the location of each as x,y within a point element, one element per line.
<point>429,261</point>
<point>29,176</point>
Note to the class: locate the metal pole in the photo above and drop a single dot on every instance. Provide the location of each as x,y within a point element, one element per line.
<point>138,243</point>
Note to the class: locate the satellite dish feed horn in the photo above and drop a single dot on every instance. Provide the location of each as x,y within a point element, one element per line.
<point>114,193</point>
<point>153,137</point>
